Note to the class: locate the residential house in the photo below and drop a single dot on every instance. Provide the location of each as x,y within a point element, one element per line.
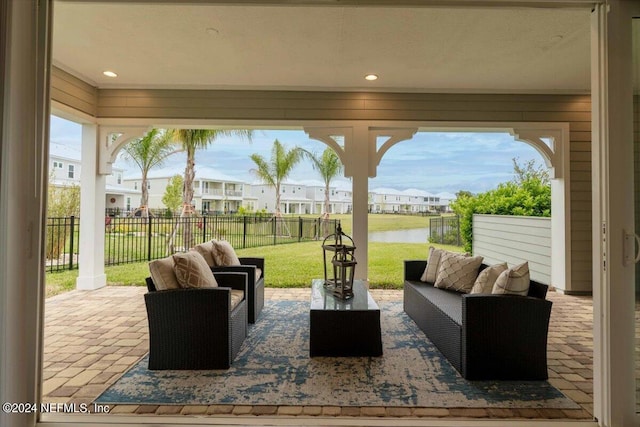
<point>65,166</point>
<point>293,197</point>
<point>213,191</point>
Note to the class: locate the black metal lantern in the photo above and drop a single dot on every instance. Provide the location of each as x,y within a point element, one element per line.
<point>343,264</point>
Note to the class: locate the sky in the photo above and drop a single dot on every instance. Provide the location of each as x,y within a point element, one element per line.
<point>431,161</point>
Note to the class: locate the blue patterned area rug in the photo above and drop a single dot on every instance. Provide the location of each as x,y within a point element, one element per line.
<point>274,368</point>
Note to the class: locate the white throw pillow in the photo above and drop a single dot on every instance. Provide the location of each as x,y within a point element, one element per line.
<point>431,271</point>
<point>457,272</point>
<point>513,281</point>
<point>487,277</point>
<point>206,250</point>
<point>224,254</point>
<point>163,275</point>
<point>192,271</point>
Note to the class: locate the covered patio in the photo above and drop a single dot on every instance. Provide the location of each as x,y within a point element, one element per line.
<point>88,351</point>
<point>556,74</point>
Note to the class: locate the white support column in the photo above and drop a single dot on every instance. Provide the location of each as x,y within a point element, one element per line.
<point>357,151</point>
<point>92,207</point>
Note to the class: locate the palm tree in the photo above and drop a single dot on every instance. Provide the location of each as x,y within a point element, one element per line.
<point>147,152</point>
<point>328,166</point>
<point>190,141</point>
<point>277,169</point>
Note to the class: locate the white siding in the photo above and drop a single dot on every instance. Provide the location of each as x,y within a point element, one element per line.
<point>515,239</point>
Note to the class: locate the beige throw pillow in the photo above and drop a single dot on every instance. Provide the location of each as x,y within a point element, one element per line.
<point>163,275</point>
<point>487,277</point>
<point>206,250</point>
<point>224,254</point>
<point>513,281</point>
<point>431,271</point>
<point>457,272</point>
<point>192,271</point>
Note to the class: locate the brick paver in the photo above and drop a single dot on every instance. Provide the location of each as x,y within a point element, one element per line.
<point>93,337</point>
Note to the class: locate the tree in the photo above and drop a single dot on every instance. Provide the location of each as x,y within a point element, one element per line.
<point>191,140</point>
<point>277,169</point>
<point>147,152</point>
<point>329,166</point>
<point>172,197</point>
<point>63,202</point>
<point>530,171</point>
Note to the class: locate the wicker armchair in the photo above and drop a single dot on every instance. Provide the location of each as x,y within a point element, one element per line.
<point>196,328</point>
<point>254,267</point>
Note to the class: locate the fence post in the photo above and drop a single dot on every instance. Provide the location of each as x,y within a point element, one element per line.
<point>275,219</point>
<point>204,229</point>
<point>299,228</point>
<point>71,242</point>
<point>149,240</point>
<point>244,231</point>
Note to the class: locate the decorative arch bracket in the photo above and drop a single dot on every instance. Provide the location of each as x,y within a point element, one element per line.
<point>393,135</point>
<point>111,140</point>
<point>552,155</point>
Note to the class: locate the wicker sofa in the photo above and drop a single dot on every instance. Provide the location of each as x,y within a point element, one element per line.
<point>196,328</point>
<point>484,336</point>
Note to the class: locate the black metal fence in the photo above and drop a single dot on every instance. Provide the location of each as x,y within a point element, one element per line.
<point>445,230</point>
<point>136,239</point>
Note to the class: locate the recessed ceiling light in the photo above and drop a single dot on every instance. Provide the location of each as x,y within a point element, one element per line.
<point>371,77</point>
<point>109,73</point>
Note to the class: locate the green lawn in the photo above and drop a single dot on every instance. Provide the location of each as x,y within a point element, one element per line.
<point>382,222</point>
<point>290,265</point>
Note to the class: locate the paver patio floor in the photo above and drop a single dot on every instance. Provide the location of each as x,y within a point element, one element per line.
<point>92,337</point>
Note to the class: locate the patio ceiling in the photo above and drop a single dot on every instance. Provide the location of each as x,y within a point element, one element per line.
<point>205,46</point>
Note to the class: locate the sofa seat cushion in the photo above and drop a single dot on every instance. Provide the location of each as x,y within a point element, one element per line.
<point>449,302</point>
<point>236,297</point>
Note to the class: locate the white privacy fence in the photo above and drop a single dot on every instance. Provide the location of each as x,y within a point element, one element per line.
<point>515,239</point>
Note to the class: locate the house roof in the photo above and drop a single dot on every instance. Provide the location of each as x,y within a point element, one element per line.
<point>62,151</point>
<point>202,173</point>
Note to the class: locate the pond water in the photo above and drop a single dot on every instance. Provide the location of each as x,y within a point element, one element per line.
<point>413,235</point>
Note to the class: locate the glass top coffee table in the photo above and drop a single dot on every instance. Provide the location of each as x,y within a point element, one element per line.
<point>344,327</point>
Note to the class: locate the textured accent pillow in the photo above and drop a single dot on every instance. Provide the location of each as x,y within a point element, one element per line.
<point>224,254</point>
<point>457,272</point>
<point>487,277</point>
<point>206,250</point>
<point>163,275</point>
<point>514,281</point>
<point>192,271</point>
<point>431,271</point>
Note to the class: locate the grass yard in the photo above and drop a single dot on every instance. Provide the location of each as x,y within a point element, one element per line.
<point>382,222</point>
<point>291,265</point>
<point>294,264</point>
